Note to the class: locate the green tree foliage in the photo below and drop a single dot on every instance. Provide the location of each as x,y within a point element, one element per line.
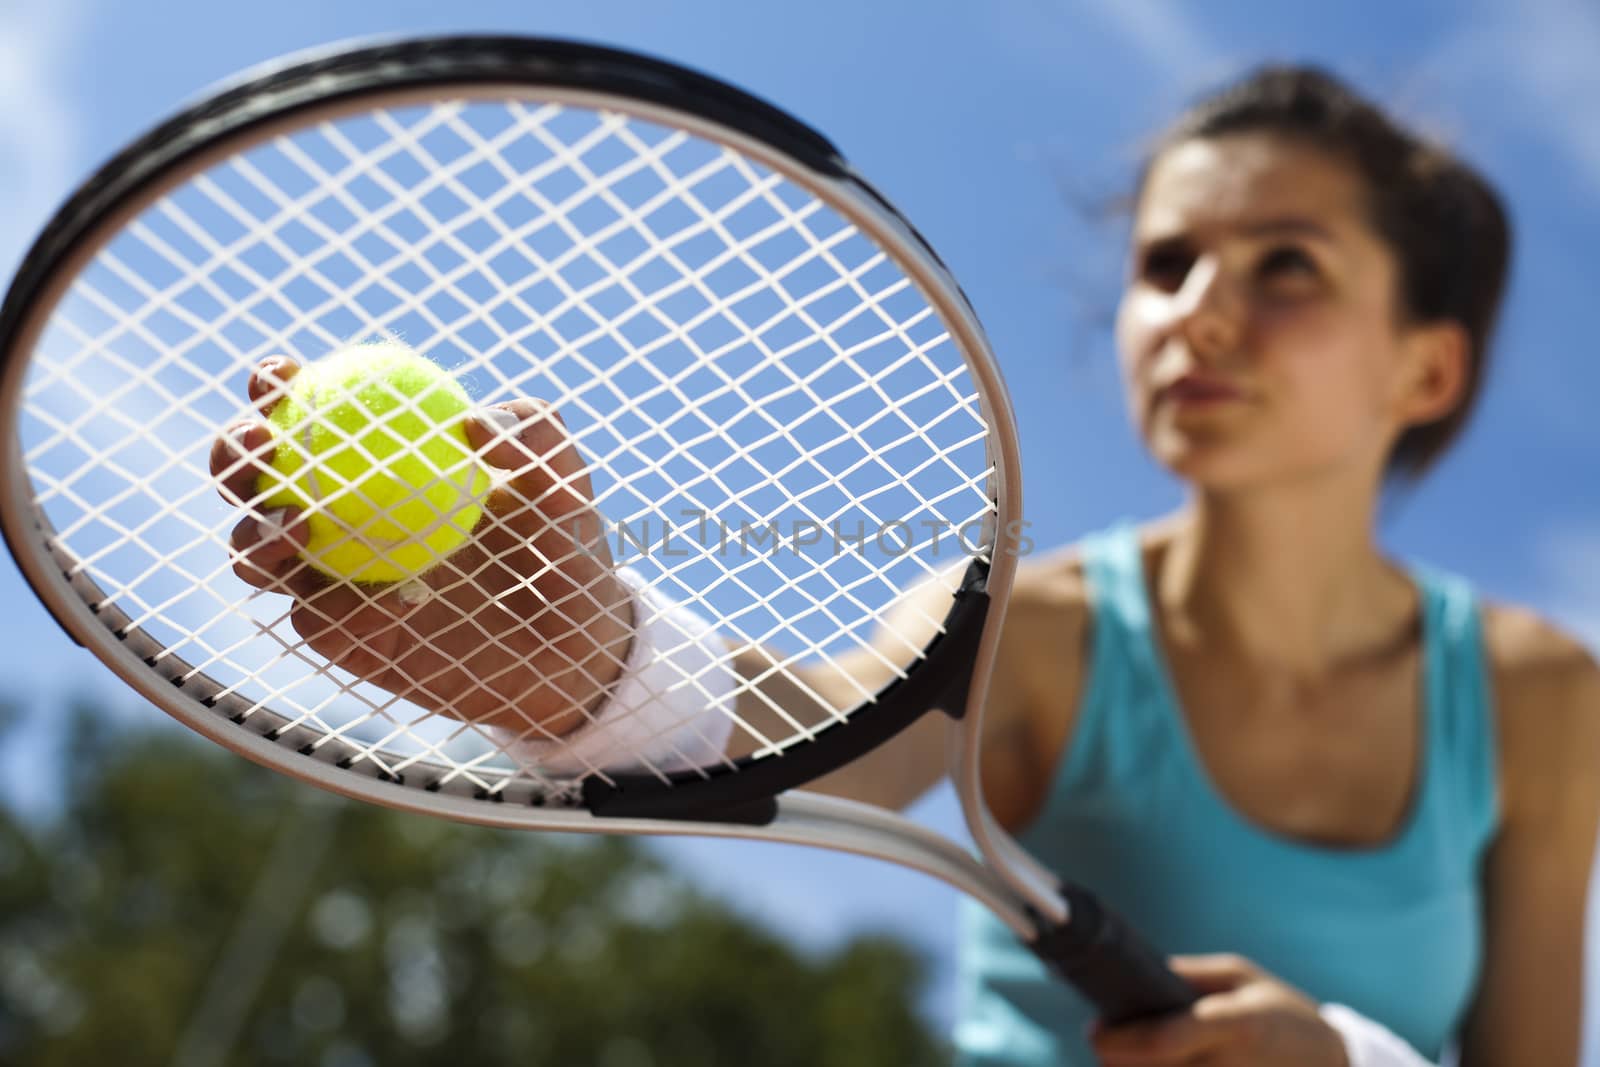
<point>189,908</point>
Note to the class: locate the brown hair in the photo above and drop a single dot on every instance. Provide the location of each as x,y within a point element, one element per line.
<point>1445,224</point>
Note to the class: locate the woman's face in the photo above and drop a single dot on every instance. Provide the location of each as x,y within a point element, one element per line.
<point>1259,335</point>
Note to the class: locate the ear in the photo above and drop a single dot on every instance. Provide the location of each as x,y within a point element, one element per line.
<point>1433,380</point>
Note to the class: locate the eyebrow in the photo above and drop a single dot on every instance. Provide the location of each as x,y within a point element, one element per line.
<point>1286,225</point>
<point>1289,224</point>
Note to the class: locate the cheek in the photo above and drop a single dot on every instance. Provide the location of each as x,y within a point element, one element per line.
<point>1135,332</point>
<point>1134,337</point>
<point>1334,375</point>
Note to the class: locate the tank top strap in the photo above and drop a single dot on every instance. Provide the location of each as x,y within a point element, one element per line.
<point>1119,601</point>
<point>1461,725</point>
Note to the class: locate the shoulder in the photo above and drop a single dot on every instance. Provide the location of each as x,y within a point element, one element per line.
<point>1050,616</point>
<point>1546,686</point>
<point>1054,586</point>
<point>1536,665</point>
<point>1056,581</point>
<point>1052,581</point>
<point>1047,618</point>
<point>1049,629</point>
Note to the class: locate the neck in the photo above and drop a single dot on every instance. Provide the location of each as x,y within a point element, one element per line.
<point>1286,579</point>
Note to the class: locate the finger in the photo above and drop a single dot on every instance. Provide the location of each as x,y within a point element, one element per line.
<point>1215,972</point>
<point>267,548</point>
<point>294,578</point>
<point>1182,1037</point>
<point>528,439</point>
<point>541,521</point>
<point>269,381</point>
<point>238,456</point>
<point>340,621</point>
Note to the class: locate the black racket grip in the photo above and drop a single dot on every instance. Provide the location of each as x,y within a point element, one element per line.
<point>1113,967</point>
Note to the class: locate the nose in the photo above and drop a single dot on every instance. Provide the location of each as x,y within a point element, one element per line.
<point>1208,309</point>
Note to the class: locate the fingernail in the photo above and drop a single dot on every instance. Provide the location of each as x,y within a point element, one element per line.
<point>503,421</point>
<point>251,437</point>
<point>272,524</point>
<point>414,592</point>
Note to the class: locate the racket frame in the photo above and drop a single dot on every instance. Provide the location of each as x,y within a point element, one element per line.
<point>326,85</point>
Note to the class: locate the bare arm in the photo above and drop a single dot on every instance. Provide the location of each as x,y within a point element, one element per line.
<point>896,773</point>
<point>1529,1005</point>
<point>1030,700</point>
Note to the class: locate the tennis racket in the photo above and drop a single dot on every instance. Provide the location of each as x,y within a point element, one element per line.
<point>783,405</point>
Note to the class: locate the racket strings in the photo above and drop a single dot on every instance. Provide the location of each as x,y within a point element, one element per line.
<point>735,360</point>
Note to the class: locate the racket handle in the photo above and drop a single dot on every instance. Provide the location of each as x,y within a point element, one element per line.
<point>1111,965</point>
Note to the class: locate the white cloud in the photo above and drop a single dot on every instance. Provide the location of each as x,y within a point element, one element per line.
<point>1163,38</point>
<point>1155,39</point>
<point>1552,49</point>
<point>1536,62</point>
<point>39,125</point>
<point>1541,54</point>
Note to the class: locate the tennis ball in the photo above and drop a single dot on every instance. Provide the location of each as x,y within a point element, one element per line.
<point>370,441</point>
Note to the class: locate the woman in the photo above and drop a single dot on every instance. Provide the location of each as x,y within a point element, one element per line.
<point>1359,781</point>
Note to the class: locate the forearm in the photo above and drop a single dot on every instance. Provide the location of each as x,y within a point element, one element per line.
<point>775,705</point>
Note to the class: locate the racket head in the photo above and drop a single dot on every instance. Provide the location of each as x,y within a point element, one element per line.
<point>385,189</point>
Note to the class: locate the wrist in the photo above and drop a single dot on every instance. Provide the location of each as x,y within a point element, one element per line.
<point>670,706</point>
<point>1338,1054</point>
<point>617,642</point>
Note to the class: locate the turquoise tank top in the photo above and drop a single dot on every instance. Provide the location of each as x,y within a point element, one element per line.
<point>1393,931</point>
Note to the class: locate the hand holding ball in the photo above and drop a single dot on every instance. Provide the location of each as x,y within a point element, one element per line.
<point>370,443</point>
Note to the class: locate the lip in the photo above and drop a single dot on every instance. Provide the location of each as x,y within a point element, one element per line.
<point>1195,390</point>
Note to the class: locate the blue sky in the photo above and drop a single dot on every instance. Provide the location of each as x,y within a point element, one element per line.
<point>1000,127</point>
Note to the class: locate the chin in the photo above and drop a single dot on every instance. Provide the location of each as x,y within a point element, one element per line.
<point>1212,477</point>
<point>1220,468</point>
<point>1213,466</point>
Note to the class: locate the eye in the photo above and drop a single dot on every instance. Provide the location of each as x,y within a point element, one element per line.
<point>1288,263</point>
<point>1165,265</point>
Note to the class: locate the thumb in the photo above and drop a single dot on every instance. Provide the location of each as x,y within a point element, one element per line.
<point>1214,973</point>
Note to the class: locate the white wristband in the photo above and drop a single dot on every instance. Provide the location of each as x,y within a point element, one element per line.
<point>671,709</point>
<point>1370,1044</point>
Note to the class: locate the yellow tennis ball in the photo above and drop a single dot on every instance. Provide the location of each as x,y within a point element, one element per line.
<point>371,442</point>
